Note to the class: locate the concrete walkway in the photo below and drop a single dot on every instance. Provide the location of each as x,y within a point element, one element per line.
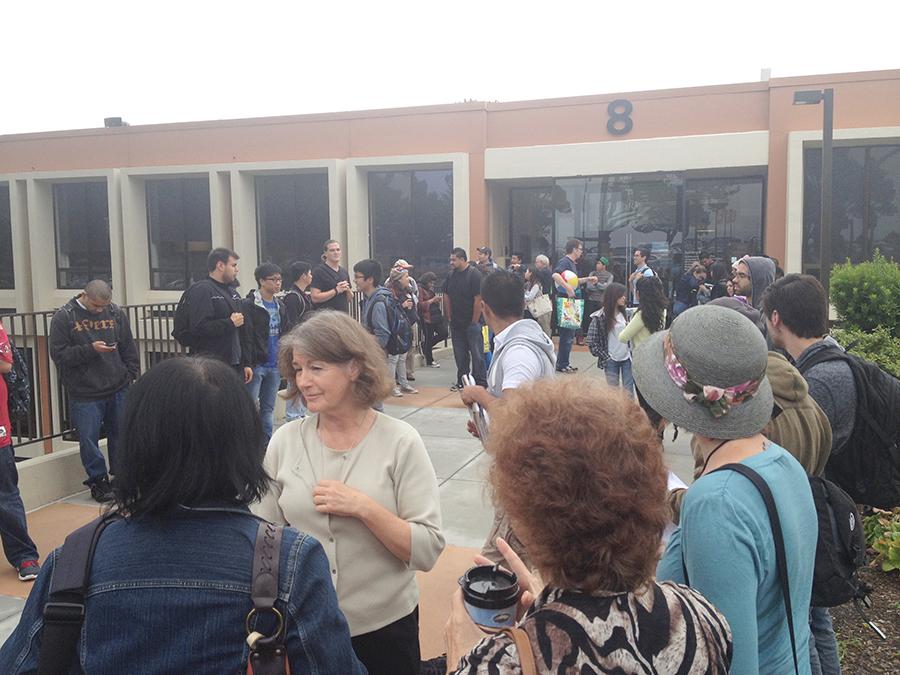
<point>459,462</point>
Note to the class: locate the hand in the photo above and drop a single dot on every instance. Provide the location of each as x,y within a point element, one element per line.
<point>530,583</point>
<point>435,299</point>
<point>338,499</point>
<point>407,304</point>
<point>460,632</point>
<point>570,291</point>
<point>248,374</point>
<point>237,319</point>
<point>102,348</point>
<point>470,394</point>
<point>343,286</point>
<point>472,429</point>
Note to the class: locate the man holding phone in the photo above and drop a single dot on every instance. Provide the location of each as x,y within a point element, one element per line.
<point>92,345</point>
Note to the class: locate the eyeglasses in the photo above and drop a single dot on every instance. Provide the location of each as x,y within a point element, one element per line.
<point>277,280</point>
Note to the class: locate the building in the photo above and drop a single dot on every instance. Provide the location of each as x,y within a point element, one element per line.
<point>729,169</point>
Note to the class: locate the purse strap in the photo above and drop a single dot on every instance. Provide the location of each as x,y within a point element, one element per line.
<point>268,655</point>
<point>523,647</point>
<point>780,554</point>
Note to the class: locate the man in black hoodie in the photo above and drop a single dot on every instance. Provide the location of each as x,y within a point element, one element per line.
<point>214,313</point>
<point>92,345</point>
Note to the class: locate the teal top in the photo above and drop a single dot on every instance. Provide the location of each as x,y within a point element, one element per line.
<point>726,540</point>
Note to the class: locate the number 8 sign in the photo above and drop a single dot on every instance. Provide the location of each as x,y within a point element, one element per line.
<point>620,122</point>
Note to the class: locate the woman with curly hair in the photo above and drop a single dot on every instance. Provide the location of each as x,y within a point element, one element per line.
<point>586,490</point>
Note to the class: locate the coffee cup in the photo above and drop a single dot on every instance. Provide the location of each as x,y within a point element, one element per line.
<point>491,595</point>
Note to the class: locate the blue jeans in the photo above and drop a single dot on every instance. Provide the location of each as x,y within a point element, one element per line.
<point>468,349</point>
<point>294,410</point>
<point>17,545</point>
<point>88,417</point>
<point>566,338</point>
<point>264,388</point>
<point>614,369</point>
<point>823,654</point>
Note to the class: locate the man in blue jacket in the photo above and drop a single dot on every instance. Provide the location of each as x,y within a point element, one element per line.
<point>92,345</point>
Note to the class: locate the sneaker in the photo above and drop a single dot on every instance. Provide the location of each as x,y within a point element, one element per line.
<point>433,365</point>
<point>28,570</point>
<point>101,491</point>
<point>406,389</point>
<point>410,378</point>
<point>397,392</point>
<point>455,387</point>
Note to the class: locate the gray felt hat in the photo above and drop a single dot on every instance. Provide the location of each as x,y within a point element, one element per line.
<point>717,347</point>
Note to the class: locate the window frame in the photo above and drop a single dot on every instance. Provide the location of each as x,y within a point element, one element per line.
<point>104,274</point>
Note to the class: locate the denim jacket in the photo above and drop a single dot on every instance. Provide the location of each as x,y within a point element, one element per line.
<point>170,595</point>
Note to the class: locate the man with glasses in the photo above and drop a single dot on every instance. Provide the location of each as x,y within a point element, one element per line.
<point>265,320</point>
<point>752,276</point>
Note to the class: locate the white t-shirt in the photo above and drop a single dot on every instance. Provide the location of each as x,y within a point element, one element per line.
<point>618,351</point>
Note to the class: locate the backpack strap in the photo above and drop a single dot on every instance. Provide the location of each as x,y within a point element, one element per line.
<point>64,610</point>
<point>523,647</point>
<point>831,353</point>
<point>780,556</point>
<point>268,655</point>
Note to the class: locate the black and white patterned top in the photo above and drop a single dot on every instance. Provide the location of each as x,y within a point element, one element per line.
<point>668,628</point>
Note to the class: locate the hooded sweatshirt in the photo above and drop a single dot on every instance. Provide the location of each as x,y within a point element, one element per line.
<point>376,320</point>
<point>86,373</point>
<point>762,275</point>
<point>522,352</point>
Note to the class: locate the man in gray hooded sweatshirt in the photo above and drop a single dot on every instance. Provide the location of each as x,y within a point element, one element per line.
<point>754,274</point>
<point>522,353</point>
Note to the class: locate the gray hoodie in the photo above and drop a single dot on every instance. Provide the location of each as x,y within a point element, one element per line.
<point>762,275</point>
<point>509,364</point>
<point>377,323</point>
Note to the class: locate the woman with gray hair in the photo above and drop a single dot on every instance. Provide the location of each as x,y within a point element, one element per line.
<point>360,482</point>
<point>708,375</point>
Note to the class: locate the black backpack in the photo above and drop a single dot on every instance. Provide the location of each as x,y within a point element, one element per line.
<point>841,549</point>
<point>18,384</point>
<point>867,467</point>
<point>401,333</point>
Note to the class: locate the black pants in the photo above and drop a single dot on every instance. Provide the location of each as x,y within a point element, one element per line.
<point>432,333</point>
<point>392,650</point>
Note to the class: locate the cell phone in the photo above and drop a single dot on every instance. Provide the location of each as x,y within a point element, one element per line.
<point>111,344</point>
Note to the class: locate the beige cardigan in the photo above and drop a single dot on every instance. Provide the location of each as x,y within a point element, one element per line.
<point>390,465</point>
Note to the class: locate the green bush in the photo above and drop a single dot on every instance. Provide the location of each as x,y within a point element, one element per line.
<point>882,530</point>
<point>868,295</point>
<point>878,346</point>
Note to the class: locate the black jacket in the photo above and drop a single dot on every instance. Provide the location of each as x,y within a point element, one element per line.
<point>255,335</point>
<point>210,306</point>
<point>86,373</point>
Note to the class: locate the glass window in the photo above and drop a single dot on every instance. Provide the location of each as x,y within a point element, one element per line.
<point>411,217</point>
<point>724,218</point>
<point>180,232</point>
<point>675,216</point>
<point>865,208</point>
<point>81,218</point>
<point>7,274</point>
<point>292,217</point>
<point>531,221</point>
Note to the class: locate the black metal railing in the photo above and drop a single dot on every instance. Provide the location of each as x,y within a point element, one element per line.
<point>48,417</point>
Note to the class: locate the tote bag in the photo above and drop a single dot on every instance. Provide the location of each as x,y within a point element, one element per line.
<point>569,312</point>
<point>540,305</point>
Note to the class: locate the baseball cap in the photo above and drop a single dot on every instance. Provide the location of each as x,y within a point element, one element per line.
<point>402,264</point>
<point>486,250</point>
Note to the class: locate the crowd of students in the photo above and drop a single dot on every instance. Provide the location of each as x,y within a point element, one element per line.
<point>622,570</point>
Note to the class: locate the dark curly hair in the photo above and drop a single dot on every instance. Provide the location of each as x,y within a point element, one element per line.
<point>585,487</point>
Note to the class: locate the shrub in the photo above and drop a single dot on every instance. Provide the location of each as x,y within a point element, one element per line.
<point>882,530</point>
<point>878,346</point>
<point>867,295</point>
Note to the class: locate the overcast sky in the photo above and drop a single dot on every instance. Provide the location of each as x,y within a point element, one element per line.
<point>67,65</point>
